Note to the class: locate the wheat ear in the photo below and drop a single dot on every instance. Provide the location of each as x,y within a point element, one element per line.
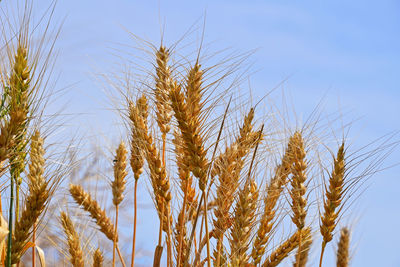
<point>74,244</point>
<point>299,189</point>
<point>281,252</point>
<point>242,223</point>
<point>136,162</point>
<point>163,117</point>
<point>118,186</point>
<point>119,183</point>
<point>98,258</point>
<point>35,202</point>
<point>90,205</point>
<point>342,254</point>
<point>12,141</point>
<point>333,199</point>
<point>35,174</point>
<point>228,167</point>
<point>189,198</point>
<point>19,91</point>
<point>158,175</point>
<point>274,190</point>
<point>163,77</point>
<point>190,127</point>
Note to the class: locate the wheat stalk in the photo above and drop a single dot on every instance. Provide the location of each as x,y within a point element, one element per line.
<point>301,260</point>
<point>189,124</point>
<point>158,175</point>
<point>136,162</point>
<point>118,186</point>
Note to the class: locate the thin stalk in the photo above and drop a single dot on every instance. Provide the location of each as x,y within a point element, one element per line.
<point>157,256</point>
<point>159,248</point>
<point>169,252</point>
<point>207,234</point>
<point>299,251</point>
<point>34,245</point>
<point>194,228</point>
<point>120,256</point>
<point>134,225</point>
<point>201,230</point>
<point>10,223</point>
<point>169,243</point>
<point>17,186</point>
<point>219,247</point>
<point>322,253</point>
<point>115,234</point>
<point>182,225</point>
<point>198,253</point>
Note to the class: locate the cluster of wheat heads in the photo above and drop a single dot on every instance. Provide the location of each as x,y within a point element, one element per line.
<point>219,201</point>
<point>29,177</point>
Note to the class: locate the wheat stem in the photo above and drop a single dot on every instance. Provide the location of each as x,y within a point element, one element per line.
<point>10,223</point>
<point>34,245</point>
<point>115,235</point>
<point>134,225</point>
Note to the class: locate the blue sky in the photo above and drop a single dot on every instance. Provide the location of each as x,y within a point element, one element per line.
<point>347,51</point>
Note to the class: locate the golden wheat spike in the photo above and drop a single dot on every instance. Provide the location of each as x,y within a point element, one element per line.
<point>74,244</point>
<point>119,183</point>
<point>274,190</point>
<point>343,250</point>
<point>243,222</point>
<point>333,199</point>
<point>283,251</point>
<point>90,205</point>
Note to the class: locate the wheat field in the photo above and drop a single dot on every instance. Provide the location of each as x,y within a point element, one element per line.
<point>232,179</point>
